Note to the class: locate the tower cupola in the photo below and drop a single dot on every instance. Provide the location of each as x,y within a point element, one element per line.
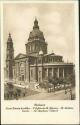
<point>9,38</point>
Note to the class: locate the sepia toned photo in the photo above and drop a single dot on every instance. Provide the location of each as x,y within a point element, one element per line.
<point>39,51</point>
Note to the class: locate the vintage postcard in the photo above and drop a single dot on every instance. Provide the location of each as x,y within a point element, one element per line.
<point>39,62</point>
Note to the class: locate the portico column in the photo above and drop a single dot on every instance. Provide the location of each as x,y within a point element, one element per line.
<point>63,72</point>
<point>47,72</point>
<point>52,72</point>
<point>58,72</point>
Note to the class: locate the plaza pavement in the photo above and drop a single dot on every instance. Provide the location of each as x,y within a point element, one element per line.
<point>58,95</point>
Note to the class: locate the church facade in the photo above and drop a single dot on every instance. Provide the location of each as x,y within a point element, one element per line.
<point>36,65</point>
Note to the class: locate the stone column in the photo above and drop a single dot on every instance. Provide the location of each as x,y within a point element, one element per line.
<point>18,71</point>
<point>27,71</point>
<point>13,73</point>
<point>58,73</point>
<point>52,72</point>
<point>47,72</point>
<point>63,72</point>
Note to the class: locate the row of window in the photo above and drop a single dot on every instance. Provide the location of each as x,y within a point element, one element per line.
<point>46,60</point>
<point>52,59</point>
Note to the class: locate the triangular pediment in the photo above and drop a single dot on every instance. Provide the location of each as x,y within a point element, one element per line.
<point>19,56</point>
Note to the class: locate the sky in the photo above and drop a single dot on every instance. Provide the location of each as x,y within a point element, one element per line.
<point>56,21</point>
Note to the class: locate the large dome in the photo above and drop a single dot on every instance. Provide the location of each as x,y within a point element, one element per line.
<point>36,33</point>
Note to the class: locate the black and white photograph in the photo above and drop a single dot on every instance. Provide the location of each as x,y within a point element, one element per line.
<point>39,51</point>
<point>39,62</point>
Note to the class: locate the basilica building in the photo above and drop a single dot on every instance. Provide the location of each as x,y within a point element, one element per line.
<point>36,64</point>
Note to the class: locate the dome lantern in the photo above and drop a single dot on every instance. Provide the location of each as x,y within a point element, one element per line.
<point>35,24</point>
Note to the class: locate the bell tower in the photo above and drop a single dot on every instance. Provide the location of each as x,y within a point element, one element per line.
<point>9,58</point>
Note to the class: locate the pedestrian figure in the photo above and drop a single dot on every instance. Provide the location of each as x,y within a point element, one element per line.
<point>65,91</point>
<point>71,94</point>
